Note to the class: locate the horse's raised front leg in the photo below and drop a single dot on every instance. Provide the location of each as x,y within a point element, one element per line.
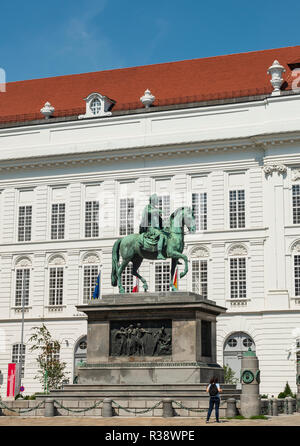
<point>177,255</point>
<point>136,263</point>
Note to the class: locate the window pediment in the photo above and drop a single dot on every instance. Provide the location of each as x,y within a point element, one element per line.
<point>97,105</point>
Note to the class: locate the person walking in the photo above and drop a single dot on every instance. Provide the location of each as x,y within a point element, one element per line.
<point>214,391</point>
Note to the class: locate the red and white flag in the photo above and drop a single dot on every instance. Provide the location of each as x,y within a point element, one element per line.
<point>175,281</point>
<point>135,289</point>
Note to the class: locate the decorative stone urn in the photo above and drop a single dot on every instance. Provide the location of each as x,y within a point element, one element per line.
<point>276,70</point>
<point>147,99</point>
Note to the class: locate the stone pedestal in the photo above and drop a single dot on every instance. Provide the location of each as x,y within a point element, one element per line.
<point>250,377</point>
<point>150,339</point>
<point>145,350</point>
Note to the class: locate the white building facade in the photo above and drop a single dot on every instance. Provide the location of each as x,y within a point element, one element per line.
<point>70,188</point>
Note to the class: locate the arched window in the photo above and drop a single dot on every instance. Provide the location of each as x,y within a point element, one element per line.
<point>80,355</point>
<point>200,259</point>
<point>296,267</point>
<point>22,282</point>
<point>91,268</point>
<point>234,347</point>
<point>95,106</point>
<point>238,272</point>
<point>56,280</point>
<point>127,279</point>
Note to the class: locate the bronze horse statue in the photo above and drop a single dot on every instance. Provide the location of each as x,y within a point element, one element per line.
<point>132,249</point>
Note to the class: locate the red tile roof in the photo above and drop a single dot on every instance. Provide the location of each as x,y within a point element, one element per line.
<point>221,77</point>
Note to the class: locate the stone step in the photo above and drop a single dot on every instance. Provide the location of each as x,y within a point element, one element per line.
<point>197,387</point>
<point>138,392</point>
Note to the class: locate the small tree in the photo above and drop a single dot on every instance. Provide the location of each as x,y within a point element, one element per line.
<point>287,392</point>
<point>229,375</point>
<point>51,369</point>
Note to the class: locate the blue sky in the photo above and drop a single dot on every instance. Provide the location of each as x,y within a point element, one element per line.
<point>56,37</point>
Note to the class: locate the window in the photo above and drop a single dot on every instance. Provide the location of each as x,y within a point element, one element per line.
<point>56,282</point>
<point>238,278</point>
<point>199,206</point>
<point>22,287</point>
<point>232,342</point>
<point>297,274</point>
<point>162,276</point>
<point>95,106</point>
<point>247,342</point>
<point>126,216</point>
<point>164,205</point>
<point>237,209</point>
<point>58,221</point>
<point>53,352</point>
<point>200,277</point>
<point>92,218</point>
<point>90,274</point>
<point>16,356</point>
<point>296,203</point>
<point>25,220</point>
<point>127,279</point>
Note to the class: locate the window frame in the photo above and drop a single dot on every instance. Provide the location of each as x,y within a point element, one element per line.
<point>200,217</point>
<point>25,225</point>
<point>17,270</point>
<point>127,279</point>
<point>127,210</point>
<point>237,258</point>
<point>165,208</point>
<point>237,212</point>
<point>56,267</point>
<point>83,287</point>
<point>162,264</point>
<point>200,260</point>
<point>297,185</point>
<point>294,275</point>
<point>18,356</point>
<point>92,221</point>
<point>57,224</point>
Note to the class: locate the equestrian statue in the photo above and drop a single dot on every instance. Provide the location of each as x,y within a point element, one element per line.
<point>154,242</point>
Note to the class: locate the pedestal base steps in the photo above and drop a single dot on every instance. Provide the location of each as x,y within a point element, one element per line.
<point>188,400</point>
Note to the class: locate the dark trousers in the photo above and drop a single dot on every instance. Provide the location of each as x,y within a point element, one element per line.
<point>214,401</point>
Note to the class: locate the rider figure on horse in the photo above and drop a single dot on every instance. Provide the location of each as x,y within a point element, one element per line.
<point>152,224</point>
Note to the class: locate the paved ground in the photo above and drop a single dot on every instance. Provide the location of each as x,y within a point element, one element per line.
<point>281,420</point>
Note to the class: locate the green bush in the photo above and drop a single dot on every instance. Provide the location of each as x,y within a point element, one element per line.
<point>30,397</point>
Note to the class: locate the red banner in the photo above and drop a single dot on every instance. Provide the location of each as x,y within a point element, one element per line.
<point>11,379</point>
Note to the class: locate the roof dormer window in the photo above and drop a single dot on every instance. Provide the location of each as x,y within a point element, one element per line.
<point>97,106</point>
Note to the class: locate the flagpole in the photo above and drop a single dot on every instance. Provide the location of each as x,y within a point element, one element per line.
<point>100,283</point>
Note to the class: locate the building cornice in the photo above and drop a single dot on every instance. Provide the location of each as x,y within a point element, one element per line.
<point>159,151</point>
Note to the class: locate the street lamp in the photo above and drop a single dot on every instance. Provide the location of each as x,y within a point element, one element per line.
<point>22,331</point>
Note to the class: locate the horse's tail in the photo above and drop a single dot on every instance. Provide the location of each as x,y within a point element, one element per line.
<point>115,262</point>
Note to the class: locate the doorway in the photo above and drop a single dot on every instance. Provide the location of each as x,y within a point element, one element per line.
<point>80,355</point>
<point>235,345</point>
